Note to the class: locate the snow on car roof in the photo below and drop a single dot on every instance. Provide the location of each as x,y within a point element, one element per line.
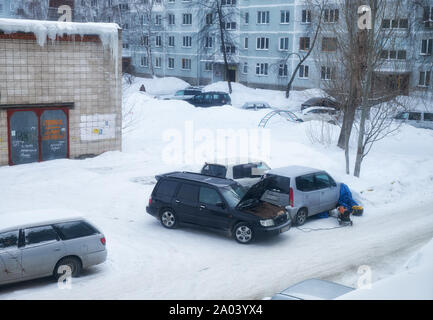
<point>234,161</point>
<point>293,171</point>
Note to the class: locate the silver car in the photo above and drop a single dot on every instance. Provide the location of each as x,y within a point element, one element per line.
<point>313,289</point>
<point>418,119</point>
<point>303,191</point>
<point>50,248</point>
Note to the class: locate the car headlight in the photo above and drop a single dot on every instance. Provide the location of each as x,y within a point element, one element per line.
<point>267,223</point>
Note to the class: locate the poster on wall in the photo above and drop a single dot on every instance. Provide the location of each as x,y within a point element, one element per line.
<point>98,127</point>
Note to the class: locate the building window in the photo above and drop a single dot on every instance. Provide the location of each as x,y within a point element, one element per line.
<point>158,41</point>
<point>208,42</point>
<point>331,15</point>
<point>229,48</point>
<point>186,64</point>
<point>329,44</point>
<point>282,70</point>
<point>304,43</point>
<point>245,68</point>
<point>171,41</point>
<point>327,73</point>
<point>230,26</point>
<point>187,19</point>
<point>1,7</point>
<point>393,54</point>
<point>304,71</point>
<point>306,16</point>
<point>209,19</point>
<point>246,43</point>
<point>426,47</point>
<point>285,17</point>
<point>262,43</point>
<point>171,19</point>
<point>228,2</point>
<point>208,66</point>
<point>284,44</point>
<point>187,42</point>
<point>428,17</point>
<point>263,17</point>
<point>247,18</point>
<point>144,61</point>
<point>144,41</point>
<point>158,62</point>
<point>125,45</point>
<point>158,20</point>
<point>395,23</point>
<point>262,69</point>
<point>171,63</point>
<point>424,78</point>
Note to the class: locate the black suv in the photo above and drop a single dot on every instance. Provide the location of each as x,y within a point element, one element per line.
<point>210,99</point>
<point>216,204</point>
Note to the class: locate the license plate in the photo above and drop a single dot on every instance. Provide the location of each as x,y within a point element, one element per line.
<point>286,228</point>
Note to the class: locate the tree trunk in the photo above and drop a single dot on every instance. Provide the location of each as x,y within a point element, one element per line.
<point>223,46</point>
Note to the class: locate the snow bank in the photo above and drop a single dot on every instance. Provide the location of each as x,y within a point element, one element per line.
<point>415,282</point>
<point>154,86</point>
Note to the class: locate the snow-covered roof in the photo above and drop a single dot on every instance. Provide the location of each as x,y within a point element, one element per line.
<point>107,32</point>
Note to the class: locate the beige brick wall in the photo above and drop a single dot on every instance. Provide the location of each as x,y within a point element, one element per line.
<point>62,72</point>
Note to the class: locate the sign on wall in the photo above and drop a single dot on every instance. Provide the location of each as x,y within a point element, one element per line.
<point>98,127</point>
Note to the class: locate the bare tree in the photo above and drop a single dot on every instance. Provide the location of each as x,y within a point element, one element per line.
<point>217,20</point>
<point>31,9</point>
<point>317,6</point>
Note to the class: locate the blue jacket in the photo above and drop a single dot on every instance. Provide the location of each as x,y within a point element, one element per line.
<point>346,199</point>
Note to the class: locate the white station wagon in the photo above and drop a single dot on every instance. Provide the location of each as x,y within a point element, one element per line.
<point>50,248</point>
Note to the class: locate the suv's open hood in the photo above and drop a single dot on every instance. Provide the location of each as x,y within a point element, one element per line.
<point>256,191</point>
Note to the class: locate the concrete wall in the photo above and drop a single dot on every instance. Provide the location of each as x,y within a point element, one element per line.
<point>82,73</point>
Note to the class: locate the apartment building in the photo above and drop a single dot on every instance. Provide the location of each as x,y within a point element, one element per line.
<point>5,9</point>
<point>266,39</point>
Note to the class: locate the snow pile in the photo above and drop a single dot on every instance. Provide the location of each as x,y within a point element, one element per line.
<point>154,87</point>
<point>415,282</point>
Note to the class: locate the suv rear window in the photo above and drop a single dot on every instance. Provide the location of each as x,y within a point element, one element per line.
<point>167,188</point>
<point>75,229</point>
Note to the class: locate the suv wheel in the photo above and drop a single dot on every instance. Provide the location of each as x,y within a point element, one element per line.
<point>168,219</point>
<point>243,233</point>
<point>67,266</point>
<point>301,217</point>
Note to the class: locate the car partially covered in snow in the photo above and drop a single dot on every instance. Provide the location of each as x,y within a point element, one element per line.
<point>256,105</point>
<point>184,198</point>
<point>247,173</point>
<point>210,99</point>
<point>320,114</point>
<point>320,102</point>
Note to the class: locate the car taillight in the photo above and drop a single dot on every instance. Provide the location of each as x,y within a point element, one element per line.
<point>150,201</point>
<point>291,200</point>
<point>103,241</point>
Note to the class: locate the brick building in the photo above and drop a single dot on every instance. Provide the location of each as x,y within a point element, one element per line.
<point>60,90</point>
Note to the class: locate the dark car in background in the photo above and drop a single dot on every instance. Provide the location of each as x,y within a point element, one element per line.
<point>183,198</point>
<point>210,99</point>
<point>320,102</point>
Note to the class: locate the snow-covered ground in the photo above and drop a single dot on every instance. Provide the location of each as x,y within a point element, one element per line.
<point>147,261</point>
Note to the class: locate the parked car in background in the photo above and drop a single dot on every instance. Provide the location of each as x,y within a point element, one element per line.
<point>210,99</point>
<point>303,191</point>
<point>321,114</point>
<point>185,94</point>
<point>419,119</point>
<point>49,248</point>
<point>320,102</point>
<point>256,105</point>
<point>183,198</point>
<point>247,174</point>
<point>313,289</point>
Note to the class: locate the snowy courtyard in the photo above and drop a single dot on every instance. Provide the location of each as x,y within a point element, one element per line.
<point>147,261</point>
